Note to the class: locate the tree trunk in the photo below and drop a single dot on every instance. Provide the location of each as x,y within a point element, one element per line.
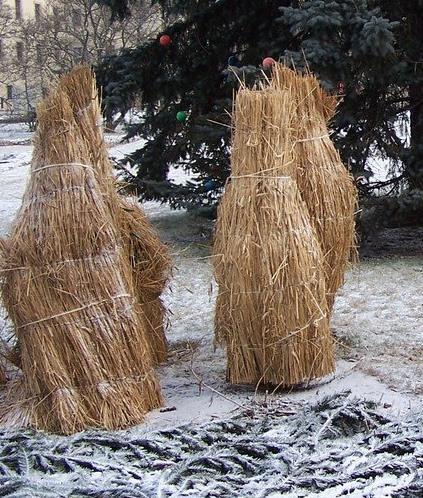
<point>414,171</point>
<point>414,168</point>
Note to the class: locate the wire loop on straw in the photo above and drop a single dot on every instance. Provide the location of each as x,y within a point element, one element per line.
<point>261,177</point>
<point>75,310</point>
<point>62,164</point>
<point>112,252</point>
<point>311,139</point>
<point>134,377</point>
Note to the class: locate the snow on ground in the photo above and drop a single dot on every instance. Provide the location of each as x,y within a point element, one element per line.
<point>14,133</point>
<point>337,447</point>
<point>377,320</point>
<point>14,163</point>
<point>378,316</point>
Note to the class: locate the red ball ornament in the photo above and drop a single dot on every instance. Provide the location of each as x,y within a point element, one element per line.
<point>165,40</point>
<point>268,62</point>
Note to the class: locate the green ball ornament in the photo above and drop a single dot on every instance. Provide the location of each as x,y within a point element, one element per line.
<point>181,116</point>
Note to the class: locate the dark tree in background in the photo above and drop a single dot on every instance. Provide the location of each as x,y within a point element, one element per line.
<point>375,48</point>
<point>189,75</point>
<point>349,43</point>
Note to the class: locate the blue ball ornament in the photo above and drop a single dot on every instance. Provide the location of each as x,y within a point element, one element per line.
<point>210,185</point>
<point>234,61</point>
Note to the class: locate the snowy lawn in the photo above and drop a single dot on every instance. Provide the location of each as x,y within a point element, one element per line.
<point>377,323</point>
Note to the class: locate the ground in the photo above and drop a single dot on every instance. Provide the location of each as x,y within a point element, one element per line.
<point>377,319</point>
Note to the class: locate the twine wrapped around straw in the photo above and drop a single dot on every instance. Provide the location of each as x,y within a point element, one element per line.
<point>271,310</point>
<point>326,186</point>
<point>149,257</point>
<point>66,284</point>
<point>3,376</point>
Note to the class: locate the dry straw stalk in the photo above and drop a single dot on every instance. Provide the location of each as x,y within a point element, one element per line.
<point>271,311</point>
<point>325,184</point>
<point>66,285</point>
<point>148,256</point>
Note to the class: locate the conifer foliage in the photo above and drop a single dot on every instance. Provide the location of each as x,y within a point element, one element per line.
<point>190,75</point>
<point>370,51</point>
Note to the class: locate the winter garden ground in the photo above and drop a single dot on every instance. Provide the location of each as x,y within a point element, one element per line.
<point>379,331</point>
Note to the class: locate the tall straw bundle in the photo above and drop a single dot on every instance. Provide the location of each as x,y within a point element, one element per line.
<point>271,311</point>
<point>325,184</point>
<point>3,376</point>
<point>151,264</point>
<point>84,354</point>
<point>148,256</point>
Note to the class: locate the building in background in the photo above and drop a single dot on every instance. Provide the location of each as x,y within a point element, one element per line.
<point>15,15</point>
<point>25,8</point>
<point>44,38</point>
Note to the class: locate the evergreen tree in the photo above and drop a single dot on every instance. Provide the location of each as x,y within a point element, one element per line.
<point>190,75</point>
<point>409,80</point>
<point>372,47</point>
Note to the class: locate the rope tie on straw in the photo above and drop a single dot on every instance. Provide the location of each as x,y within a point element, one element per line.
<point>312,138</point>
<point>62,164</point>
<point>295,334</point>
<point>270,289</point>
<point>262,176</point>
<point>52,193</point>
<point>75,310</point>
<point>97,258</point>
<point>102,384</point>
<point>99,317</point>
<point>134,377</point>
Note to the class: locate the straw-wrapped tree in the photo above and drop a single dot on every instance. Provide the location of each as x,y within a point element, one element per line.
<point>276,282</point>
<point>66,283</point>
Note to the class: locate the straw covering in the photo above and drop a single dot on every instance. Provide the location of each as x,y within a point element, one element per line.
<point>148,256</point>
<point>277,262</point>
<point>67,285</point>
<point>325,184</point>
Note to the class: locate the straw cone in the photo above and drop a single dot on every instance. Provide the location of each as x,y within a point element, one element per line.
<point>66,286</point>
<point>325,184</point>
<point>3,376</point>
<point>271,310</point>
<point>149,257</point>
<point>151,266</point>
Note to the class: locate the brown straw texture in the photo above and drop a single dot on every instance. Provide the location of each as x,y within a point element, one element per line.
<point>3,375</point>
<point>66,286</point>
<point>325,184</point>
<point>271,310</point>
<point>149,257</point>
